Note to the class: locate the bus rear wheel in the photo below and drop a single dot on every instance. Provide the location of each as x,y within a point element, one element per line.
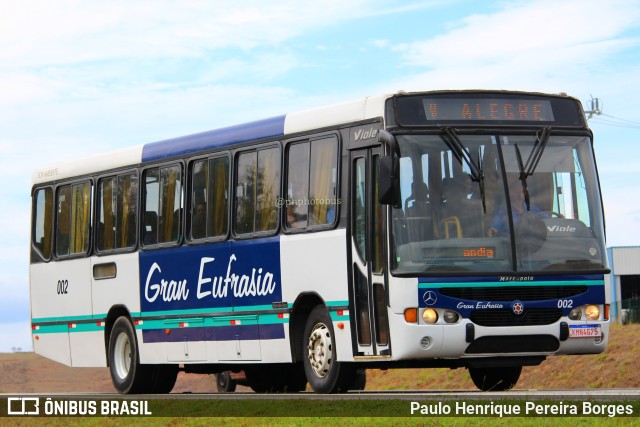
<point>276,378</point>
<point>162,378</point>
<point>224,382</point>
<point>127,374</point>
<point>495,379</point>
<point>324,373</point>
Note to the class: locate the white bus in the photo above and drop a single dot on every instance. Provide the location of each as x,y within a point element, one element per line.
<point>459,229</point>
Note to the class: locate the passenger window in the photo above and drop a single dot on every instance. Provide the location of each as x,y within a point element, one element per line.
<point>73,219</point>
<point>162,222</point>
<point>210,198</point>
<point>296,207</point>
<point>360,219</point>
<point>312,183</point>
<point>117,207</point>
<point>257,191</point>
<point>42,222</point>
<point>322,182</point>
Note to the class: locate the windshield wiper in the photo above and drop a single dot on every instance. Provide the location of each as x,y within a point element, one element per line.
<point>450,137</point>
<point>527,169</point>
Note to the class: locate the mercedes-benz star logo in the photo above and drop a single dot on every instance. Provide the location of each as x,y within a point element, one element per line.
<point>429,297</point>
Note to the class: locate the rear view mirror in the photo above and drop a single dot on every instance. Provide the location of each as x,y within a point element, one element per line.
<point>388,183</point>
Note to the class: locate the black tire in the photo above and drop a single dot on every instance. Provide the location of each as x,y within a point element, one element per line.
<point>276,378</point>
<point>296,378</point>
<point>224,383</point>
<point>162,379</point>
<point>360,381</point>
<point>495,379</point>
<point>127,374</point>
<point>324,373</point>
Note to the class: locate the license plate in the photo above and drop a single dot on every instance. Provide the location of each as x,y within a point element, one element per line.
<point>584,331</point>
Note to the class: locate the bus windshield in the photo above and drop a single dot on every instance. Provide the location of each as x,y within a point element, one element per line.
<point>497,203</point>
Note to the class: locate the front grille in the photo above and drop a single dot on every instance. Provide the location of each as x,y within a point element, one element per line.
<point>512,293</point>
<point>514,344</point>
<point>530,317</point>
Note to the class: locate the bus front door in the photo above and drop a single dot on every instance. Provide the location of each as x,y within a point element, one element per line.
<point>369,299</point>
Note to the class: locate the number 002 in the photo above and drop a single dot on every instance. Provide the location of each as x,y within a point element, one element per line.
<point>62,286</point>
<point>565,303</point>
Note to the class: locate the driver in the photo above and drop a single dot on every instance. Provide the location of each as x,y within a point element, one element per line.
<point>500,223</point>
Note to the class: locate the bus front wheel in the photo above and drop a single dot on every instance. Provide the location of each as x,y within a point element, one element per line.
<point>495,379</point>
<point>324,373</point>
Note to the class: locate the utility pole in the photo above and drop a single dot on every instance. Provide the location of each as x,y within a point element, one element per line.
<point>594,106</point>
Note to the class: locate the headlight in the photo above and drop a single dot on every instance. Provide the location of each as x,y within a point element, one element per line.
<point>430,316</point>
<point>575,314</point>
<point>592,312</point>
<point>451,316</point>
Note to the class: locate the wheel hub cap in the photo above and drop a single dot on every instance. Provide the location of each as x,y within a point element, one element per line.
<point>320,350</point>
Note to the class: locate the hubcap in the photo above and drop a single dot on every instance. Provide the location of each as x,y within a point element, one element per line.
<point>320,350</point>
<point>122,355</point>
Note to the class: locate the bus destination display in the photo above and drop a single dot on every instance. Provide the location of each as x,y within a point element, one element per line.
<point>488,110</point>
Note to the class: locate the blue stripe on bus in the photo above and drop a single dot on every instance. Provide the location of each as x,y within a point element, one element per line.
<point>215,333</point>
<point>265,128</point>
<point>429,295</point>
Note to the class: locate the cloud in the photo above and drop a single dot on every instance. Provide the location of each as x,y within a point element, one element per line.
<point>525,45</point>
<point>539,30</point>
<point>75,31</point>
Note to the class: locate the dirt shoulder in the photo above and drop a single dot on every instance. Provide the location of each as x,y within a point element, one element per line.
<point>616,368</point>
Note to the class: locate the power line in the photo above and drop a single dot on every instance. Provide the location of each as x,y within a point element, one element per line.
<point>596,110</point>
<point>622,120</point>
<point>605,122</point>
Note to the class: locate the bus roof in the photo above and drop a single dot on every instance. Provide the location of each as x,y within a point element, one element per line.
<point>346,112</point>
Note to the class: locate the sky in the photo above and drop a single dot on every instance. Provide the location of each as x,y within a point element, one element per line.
<point>81,77</point>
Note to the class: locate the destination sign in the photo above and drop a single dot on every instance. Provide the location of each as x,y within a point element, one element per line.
<point>487,109</point>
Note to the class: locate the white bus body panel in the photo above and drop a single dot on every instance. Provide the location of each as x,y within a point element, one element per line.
<point>123,289</point>
<point>61,290</point>
<point>88,349</point>
<point>317,263</point>
<point>345,112</point>
<point>54,346</point>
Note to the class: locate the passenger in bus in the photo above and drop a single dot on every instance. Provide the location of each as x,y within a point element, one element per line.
<point>459,206</point>
<point>418,212</point>
<point>297,207</point>
<point>198,224</point>
<point>417,204</point>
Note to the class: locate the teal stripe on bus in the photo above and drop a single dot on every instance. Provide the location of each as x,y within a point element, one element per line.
<point>250,315</point>
<point>69,319</point>
<point>58,328</point>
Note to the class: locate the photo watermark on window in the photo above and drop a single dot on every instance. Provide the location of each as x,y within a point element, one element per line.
<point>306,201</point>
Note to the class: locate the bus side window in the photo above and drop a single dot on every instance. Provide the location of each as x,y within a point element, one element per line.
<point>73,219</point>
<point>312,172</point>
<point>117,205</point>
<point>163,205</point>
<point>42,222</point>
<point>257,191</point>
<point>209,198</point>
<point>296,210</point>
